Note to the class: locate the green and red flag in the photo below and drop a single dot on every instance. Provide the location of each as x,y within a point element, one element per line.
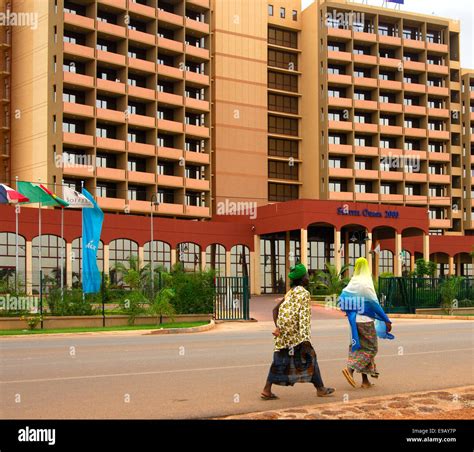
<point>37,193</point>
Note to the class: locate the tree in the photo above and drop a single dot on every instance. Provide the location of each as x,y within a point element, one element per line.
<point>161,305</point>
<point>424,268</point>
<point>449,290</point>
<point>331,280</point>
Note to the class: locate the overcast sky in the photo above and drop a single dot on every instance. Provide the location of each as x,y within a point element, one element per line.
<point>462,10</point>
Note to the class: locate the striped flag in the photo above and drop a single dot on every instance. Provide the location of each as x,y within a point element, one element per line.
<point>10,196</point>
<point>76,199</point>
<point>38,193</point>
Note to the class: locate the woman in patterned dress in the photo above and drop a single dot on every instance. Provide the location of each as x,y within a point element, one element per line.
<point>294,358</point>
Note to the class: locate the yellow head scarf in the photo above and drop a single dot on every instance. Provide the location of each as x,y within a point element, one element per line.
<point>361,268</point>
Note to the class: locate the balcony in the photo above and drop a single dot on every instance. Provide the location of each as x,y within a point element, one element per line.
<point>170,209</point>
<point>365,127</point>
<point>414,132</point>
<point>343,173</point>
<point>204,4</point>
<point>170,18</point>
<point>341,196</point>
<point>340,79</point>
<point>170,71</point>
<point>414,66</point>
<point>140,177</point>
<point>78,109</point>
<point>170,126</point>
<point>141,149</point>
<point>413,44</point>
<point>414,87</point>
<point>202,79</point>
<point>142,10</point>
<point>195,25</point>
<point>169,181</point>
<point>197,211</point>
<point>392,198</point>
<point>438,112</point>
<point>110,115</point>
<point>438,134</point>
<point>110,144</point>
<point>114,174</point>
<point>368,151</point>
<point>143,93</point>
<point>341,149</point>
<point>440,178</point>
<point>197,184</point>
<point>121,4</point>
<point>391,176</point>
<point>196,104</point>
<point>196,157</point>
<point>197,131</point>
<point>74,79</point>
<point>140,36</point>
<point>365,81</point>
<point>169,153</point>
<point>197,52</point>
<point>83,52</point>
<point>439,156</point>
<point>141,65</point>
<point>111,203</point>
<point>142,121</point>
<point>339,102</point>
<point>139,206</point>
<point>440,224</point>
<point>340,125</point>
<point>365,59</point>
<point>111,58</point>
<point>338,56</point>
<point>390,107</point>
<point>390,40</point>
<point>391,130</point>
<point>111,29</point>
<point>363,36</point>
<point>78,139</point>
<point>421,155</point>
<point>109,85</point>
<point>390,62</point>
<point>437,69</point>
<point>391,152</point>
<point>339,33</point>
<point>170,44</point>
<point>366,174</point>
<point>414,110</point>
<point>83,171</point>
<point>391,85</point>
<point>365,104</point>
<point>78,21</point>
<point>435,47</point>
<point>440,201</point>
<point>438,91</point>
<point>369,197</point>
<point>416,177</point>
<point>170,99</point>
<point>416,199</point>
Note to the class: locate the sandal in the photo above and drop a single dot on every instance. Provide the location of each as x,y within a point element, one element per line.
<point>269,397</point>
<point>325,392</point>
<point>349,377</point>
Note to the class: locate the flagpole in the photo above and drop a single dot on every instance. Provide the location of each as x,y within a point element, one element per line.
<point>62,246</point>
<point>40,240</point>
<point>82,244</point>
<point>17,259</point>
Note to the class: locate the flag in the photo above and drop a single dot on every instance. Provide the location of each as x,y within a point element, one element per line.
<point>75,199</point>
<point>399,2</point>
<point>38,193</point>
<point>10,196</point>
<point>92,220</point>
<point>377,249</point>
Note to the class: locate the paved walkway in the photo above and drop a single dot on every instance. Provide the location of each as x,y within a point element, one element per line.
<point>455,403</point>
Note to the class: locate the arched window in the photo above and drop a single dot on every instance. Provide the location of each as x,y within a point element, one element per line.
<point>161,254</point>
<point>385,261</point>
<point>76,260</point>
<point>120,250</point>
<point>189,254</point>
<point>239,260</point>
<point>9,276</point>
<point>52,248</point>
<point>216,258</point>
<point>406,262</point>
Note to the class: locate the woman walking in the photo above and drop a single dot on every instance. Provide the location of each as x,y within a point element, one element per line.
<point>367,320</point>
<point>294,359</point>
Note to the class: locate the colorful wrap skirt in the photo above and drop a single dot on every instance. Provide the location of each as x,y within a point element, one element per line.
<point>296,365</point>
<point>363,360</point>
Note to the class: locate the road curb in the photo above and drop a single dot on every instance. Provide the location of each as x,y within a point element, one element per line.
<point>193,329</point>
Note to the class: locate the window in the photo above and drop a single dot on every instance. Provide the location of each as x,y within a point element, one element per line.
<point>283,82</point>
<point>337,186</point>
<point>283,38</point>
<point>283,126</point>
<point>282,13</point>
<point>239,260</point>
<point>284,60</point>
<point>189,255</point>
<point>161,254</point>
<point>120,250</point>
<point>282,192</point>
<point>282,170</point>
<point>294,14</point>
<point>282,148</point>
<point>285,104</point>
<point>270,10</point>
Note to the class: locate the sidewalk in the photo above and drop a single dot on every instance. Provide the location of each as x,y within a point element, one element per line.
<point>453,403</point>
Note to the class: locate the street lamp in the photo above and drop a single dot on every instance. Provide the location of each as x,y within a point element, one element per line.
<point>153,203</point>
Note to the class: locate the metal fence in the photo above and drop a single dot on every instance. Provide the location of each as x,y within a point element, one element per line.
<point>405,295</point>
<point>232,300</point>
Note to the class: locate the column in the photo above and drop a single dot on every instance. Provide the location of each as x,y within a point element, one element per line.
<point>304,246</point>
<point>257,290</point>
<point>337,249</point>
<point>203,260</point>
<point>426,246</point>
<point>288,262</point>
<point>450,265</point>
<point>346,248</point>
<point>368,249</point>
<point>227,264</point>
<point>68,258</point>
<point>106,260</point>
<point>397,262</point>
<point>173,257</point>
<point>376,261</point>
<point>29,267</point>
<point>412,262</point>
<point>141,256</point>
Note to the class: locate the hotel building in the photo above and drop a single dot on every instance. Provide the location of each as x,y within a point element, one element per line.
<point>342,128</point>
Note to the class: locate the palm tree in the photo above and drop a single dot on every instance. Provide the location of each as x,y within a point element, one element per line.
<point>131,272</point>
<point>331,280</point>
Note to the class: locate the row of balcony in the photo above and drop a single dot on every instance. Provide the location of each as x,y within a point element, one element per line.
<point>175,20</point>
<point>349,173</point>
<point>392,63</point>
<point>394,41</point>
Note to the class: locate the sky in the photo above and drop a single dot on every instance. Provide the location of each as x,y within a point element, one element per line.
<point>462,10</point>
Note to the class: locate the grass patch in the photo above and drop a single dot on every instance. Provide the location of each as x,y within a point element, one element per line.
<point>107,328</point>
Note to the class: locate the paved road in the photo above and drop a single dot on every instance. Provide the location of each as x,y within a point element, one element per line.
<point>215,373</point>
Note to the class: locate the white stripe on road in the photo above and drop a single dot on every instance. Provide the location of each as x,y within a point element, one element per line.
<point>207,369</point>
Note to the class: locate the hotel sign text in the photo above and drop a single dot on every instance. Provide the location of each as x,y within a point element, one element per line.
<point>344,210</point>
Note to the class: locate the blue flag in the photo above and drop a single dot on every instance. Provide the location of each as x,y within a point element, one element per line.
<point>92,220</point>
<point>400,2</point>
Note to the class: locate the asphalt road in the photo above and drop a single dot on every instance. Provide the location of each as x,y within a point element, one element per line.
<point>215,373</point>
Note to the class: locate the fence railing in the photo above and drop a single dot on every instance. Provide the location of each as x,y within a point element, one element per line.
<point>232,300</point>
<point>405,295</point>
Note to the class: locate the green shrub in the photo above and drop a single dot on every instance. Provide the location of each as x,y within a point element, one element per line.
<point>162,305</point>
<point>72,303</point>
<point>133,305</point>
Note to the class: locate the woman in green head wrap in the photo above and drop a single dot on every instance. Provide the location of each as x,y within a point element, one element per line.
<point>294,358</point>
